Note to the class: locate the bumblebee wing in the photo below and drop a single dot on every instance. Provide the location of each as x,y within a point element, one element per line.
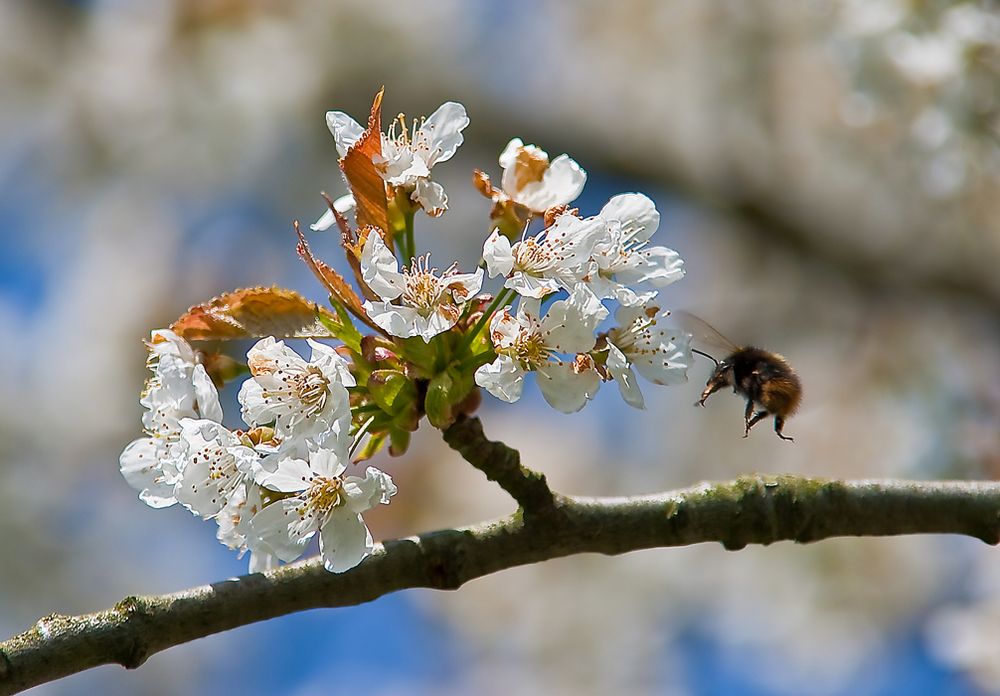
<point>702,332</point>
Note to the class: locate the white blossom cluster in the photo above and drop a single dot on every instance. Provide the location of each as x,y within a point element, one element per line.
<point>590,260</point>
<point>603,257</point>
<point>281,479</point>
<point>273,486</point>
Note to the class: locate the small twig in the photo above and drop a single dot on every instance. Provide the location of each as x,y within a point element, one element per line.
<point>501,464</point>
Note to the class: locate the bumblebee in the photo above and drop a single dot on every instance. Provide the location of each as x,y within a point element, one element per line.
<point>764,379</point>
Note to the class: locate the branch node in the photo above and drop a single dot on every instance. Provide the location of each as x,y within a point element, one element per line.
<point>502,465</point>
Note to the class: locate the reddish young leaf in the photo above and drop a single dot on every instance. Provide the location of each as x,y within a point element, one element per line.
<point>335,283</point>
<point>362,176</point>
<point>345,228</point>
<point>349,241</point>
<point>251,313</point>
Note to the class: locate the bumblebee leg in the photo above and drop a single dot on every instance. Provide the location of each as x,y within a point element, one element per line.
<point>779,423</point>
<point>710,389</point>
<point>749,412</point>
<point>760,415</point>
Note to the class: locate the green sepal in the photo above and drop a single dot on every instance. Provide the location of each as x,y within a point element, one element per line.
<point>399,441</point>
<point>392,391</point>
<point>445,391</point>
<point>420,354</point>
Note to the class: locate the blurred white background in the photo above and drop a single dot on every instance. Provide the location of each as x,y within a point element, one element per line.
<point>829,172</point>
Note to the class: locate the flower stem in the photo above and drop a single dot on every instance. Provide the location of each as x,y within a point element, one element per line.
<point>359,436</point>
<point>402,229</point>
<point>411,247</point>
<point>498,302</point>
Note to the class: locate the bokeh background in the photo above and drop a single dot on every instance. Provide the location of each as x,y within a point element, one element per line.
<point>829,171</point>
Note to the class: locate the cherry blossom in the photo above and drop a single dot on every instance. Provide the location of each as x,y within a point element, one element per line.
<point>323,500</point>
<point>279,479</point>
<point>244,502</point>
<point>549,261</point>
<point>530,343</point>
<point>303,399</point>
<point>415,301</point>
<point>179,388</point>
<point>622,258</point>
<point>529,179</point>
<point>409,153</point>
<point>215,462</point>
<point>644,340</point>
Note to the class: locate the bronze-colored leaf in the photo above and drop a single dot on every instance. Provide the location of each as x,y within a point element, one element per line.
<point>334,283</point>
<point>363,177</point>
<point>252,313</point>
<point>345,228</point>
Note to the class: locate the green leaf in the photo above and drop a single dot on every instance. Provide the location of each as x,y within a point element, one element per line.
<point>342,327</point>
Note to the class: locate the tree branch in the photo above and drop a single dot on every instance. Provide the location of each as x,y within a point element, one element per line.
<point>750,510</point>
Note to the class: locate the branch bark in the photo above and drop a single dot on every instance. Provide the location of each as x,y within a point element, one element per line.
<point>749,510</point>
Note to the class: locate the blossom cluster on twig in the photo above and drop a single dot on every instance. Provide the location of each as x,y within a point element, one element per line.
<point>410,341</point>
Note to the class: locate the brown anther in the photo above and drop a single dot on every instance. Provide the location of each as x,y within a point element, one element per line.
<point>555,211</point>
<point>481,180</point>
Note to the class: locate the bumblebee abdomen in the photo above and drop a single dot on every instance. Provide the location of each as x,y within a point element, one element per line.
<point>781,395</point>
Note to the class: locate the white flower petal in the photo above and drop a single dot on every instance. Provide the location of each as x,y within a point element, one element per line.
<point>344,541</point>
<point>626,315</point>
<point>380,270</point>
<point>206,394</point>
<point>326,463</point>
<point>365,493</point>
<point>234,518</point>
<point>327,356</point>
<point>465,285</point>
<point>342,205</point>
<point>164,342</point>
<point>497,255</point>
<point>443,131</point>
<point>346,131</point>
<point>564,389</point>
<point>325,222</point>
<point>213,457</point>
<point>667,366</point>
<point>261,562</point>
<point>141,463</point>
<point>570,323</point>
<point>396,320</point>
<point>637,214</point>
<point>528,285</point>
<point>255,409</point>
<point>561,184</point>
<point>619,368</point>
<point>509,156</point>
<point>505,328</point>
<point>502,378</point>
<point>431,197</point>
<point>660,266</point>
<point>291,476</point>
<point>275,532</point>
